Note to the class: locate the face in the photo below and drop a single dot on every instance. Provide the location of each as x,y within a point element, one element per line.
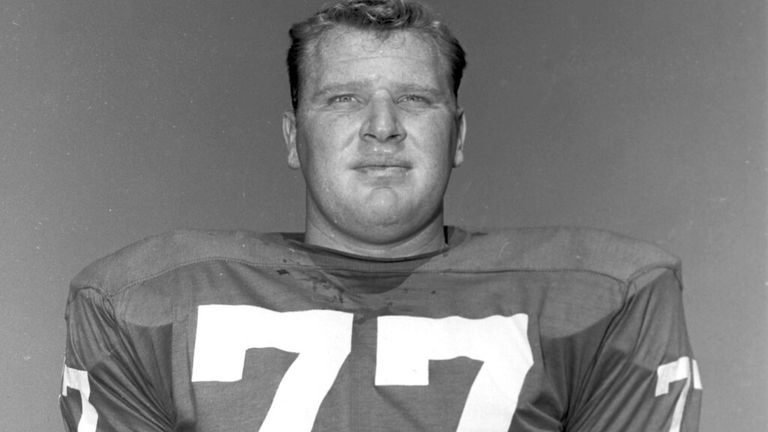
<point>376,134</point>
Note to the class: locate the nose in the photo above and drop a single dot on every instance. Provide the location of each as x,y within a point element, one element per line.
<point>382,123</point>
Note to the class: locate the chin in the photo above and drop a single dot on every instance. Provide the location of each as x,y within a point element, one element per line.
<point>383,235</point>
<point>389,226</point>
<point>382,222</point>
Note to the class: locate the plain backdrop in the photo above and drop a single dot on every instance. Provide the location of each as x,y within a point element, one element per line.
<point>122,119</point>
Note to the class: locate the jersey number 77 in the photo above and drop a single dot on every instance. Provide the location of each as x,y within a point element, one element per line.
<point>405,345</point>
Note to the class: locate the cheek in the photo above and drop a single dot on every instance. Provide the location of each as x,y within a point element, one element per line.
<point>323,166</point>
<point>437,133</point>
<point>312,148</point>
<point>325,142</point>
<point>438,155</point>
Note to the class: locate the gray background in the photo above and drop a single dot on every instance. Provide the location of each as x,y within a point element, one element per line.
<point>120,119</point>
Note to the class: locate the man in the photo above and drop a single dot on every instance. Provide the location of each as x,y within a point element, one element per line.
<point>379,318</point>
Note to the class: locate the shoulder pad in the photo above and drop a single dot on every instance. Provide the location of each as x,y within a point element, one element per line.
<point>562,248</point>
<point>160,253</point>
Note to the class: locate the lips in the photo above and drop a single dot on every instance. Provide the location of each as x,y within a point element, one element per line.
<point>375,164</point>
<point>382,167</point>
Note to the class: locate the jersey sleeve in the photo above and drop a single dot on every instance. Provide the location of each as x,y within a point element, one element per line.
<point>645,377</point>
<point>105,385</point>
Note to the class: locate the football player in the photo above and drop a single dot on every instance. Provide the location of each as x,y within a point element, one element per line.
<point>378,317</point>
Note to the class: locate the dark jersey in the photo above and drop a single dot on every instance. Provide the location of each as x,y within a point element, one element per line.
<point>523,330</point>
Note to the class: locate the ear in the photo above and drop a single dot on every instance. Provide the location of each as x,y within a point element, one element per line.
<point>461,130</point>
<point>289,135</point>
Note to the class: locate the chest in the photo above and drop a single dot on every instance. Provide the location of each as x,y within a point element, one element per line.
<point>427,352</point>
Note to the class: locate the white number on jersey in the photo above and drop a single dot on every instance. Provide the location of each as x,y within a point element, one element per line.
<point>322,339</point>
<point>78,380</point>
<point>406,344</point>
<point>678,370</point>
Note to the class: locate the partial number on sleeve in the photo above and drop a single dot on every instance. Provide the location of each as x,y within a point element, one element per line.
<point>681,369</point>
<point>78,380</point>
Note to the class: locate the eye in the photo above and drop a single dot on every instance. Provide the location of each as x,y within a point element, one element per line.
<point>413,99</point>
<point>342,99</point>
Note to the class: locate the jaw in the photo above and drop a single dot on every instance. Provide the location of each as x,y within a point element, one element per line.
<point>378,232</point>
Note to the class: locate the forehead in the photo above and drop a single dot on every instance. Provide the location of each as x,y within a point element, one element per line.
<point>351,51</point>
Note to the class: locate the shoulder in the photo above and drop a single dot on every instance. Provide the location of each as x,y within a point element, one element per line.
<point>562,249</point>
<point>161,253</point>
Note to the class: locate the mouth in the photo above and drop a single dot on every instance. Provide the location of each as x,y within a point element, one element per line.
<point>382,165</point>
<point>383,169</point>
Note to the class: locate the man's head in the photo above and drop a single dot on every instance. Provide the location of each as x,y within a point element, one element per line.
<point>380,17</point>
<point>376,129</point>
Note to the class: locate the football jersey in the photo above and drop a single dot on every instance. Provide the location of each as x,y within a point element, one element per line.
<point>526,330</point>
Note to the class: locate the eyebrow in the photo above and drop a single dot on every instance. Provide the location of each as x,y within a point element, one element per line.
<point>338,87</point>
<point>359,85</point>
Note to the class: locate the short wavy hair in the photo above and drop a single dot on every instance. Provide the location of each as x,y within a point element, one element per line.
<point>381,17</point>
